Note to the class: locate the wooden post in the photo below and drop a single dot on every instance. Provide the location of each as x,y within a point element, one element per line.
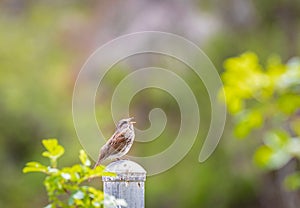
<point>128,184</point>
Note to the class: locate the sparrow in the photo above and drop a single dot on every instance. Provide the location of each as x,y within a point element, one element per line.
<point>120,142</point>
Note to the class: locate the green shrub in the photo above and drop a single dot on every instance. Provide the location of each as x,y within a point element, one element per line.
<point>266,98</point>
<point>65,186</point>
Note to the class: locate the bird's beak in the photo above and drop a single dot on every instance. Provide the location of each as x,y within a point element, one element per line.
<point>132,121</point>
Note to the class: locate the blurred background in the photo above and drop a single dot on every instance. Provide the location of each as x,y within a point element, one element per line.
<point>43,45</point>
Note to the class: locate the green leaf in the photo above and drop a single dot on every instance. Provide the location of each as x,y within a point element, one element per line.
<point>292,182</point>
<point>241,131</point>
<point>235,105</point>
<point>263,156</point>
<point>50,144</point>
<point>266,157</point>
<point>247,121</point>
<point>34,167</point>
<point>84,158</point>
<point>54,150</point>
<point>289,103</point>
<point>276,139</point>
<point>108,174</point>
<point>46,154</point>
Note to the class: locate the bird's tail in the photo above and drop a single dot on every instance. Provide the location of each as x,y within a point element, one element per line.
<point>100,159</point>
<point>98,162</point>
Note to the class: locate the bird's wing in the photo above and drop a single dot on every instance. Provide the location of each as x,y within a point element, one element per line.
<point>117,142</point>
<point>114,145</point>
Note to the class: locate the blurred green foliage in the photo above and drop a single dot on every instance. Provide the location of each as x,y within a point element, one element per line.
<point>65,186</point>
<point>266,97</point>
<point>39,59</point>
<point>35,91</point>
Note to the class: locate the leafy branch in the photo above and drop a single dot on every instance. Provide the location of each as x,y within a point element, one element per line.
<point>266,98</point>
<point>65,186</point>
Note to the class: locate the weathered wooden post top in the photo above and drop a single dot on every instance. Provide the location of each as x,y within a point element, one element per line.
<point>127,184</point>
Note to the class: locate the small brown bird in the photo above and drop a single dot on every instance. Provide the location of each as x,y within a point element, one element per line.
<point>120,142</point>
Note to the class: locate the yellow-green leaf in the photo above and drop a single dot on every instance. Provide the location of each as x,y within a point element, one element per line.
<point>50,144</point>
<point>263,156</point>
<point>292,182</point>
<point>84,158</point>
<point>34,167</point>
<point>266,157</point>
<point>54,150</point>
